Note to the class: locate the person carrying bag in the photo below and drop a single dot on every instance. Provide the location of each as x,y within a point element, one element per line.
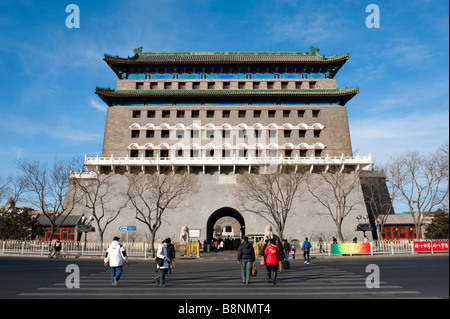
<point>246,258</point>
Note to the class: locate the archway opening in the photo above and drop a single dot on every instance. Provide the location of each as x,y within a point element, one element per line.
<point>224,222</point>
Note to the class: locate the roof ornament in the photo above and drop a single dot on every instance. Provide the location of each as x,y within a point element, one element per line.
<point>138,50</point>
<point>314,51</point>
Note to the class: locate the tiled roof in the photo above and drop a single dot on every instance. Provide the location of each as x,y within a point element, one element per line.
<point>70,220</point>
<point>218,93</point>
<point>226,57</point>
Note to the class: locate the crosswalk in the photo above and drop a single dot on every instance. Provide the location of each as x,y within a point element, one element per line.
<point>218,279</point>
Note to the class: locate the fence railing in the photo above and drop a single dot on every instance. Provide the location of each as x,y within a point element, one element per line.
<point>192,249</point>
<point>77,249</point>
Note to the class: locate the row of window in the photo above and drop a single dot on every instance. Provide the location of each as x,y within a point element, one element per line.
<point>194,153</point>
<point>287,133</point>
<point>226,85</point>
<point>225,113</point>
<point>399,232</point>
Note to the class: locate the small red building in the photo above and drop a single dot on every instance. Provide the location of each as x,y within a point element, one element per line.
<point>65,232</point>
<point>400,226</point>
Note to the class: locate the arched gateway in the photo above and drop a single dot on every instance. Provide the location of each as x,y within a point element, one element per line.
<point>220,213</point>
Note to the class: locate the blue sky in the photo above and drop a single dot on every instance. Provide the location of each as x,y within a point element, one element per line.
<point>48,73</point>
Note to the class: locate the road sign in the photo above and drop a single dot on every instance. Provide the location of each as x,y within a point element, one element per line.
<point>127,229</point>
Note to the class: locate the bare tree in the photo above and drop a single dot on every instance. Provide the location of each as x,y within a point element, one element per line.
<point>46,190</point>
<point>421,180</point>
<point>12,187</point>
<point>270,195</point>
<point>153,195</point>
<point>97,191</point>
<point>4,189</point>
<point>334,192</point>
<point>17,186</point>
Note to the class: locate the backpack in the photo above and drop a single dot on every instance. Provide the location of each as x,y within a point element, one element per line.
<point>307,247</point>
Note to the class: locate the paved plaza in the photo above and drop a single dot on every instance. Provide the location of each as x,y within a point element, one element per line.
<point>217,276</point>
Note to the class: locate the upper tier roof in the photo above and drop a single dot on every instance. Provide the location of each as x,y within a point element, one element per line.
<point>228,57</point>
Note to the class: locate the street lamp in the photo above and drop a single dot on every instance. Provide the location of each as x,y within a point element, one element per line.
<point>85,227</point>
<point>363,224</point>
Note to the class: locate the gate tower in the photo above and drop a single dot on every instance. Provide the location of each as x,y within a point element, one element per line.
<point>215,113</point>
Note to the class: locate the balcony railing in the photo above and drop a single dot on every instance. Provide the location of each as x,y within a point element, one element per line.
<point>94,163</point>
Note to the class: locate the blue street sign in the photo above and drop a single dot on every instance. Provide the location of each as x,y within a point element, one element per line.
<point>127,228</point>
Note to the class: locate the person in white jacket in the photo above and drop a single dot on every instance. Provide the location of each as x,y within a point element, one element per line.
<point>116,256</point>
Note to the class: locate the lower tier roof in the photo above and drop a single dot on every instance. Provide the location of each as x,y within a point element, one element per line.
<point>111,97</point>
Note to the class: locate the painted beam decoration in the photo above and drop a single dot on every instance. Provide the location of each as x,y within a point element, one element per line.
<point>224,76</point>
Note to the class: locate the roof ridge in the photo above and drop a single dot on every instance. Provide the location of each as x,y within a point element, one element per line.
<point>313,53</point>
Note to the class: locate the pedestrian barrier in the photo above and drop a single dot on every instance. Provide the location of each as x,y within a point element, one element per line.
<point>187,249</point>
<point>258,248</point>
<point>192,249</point>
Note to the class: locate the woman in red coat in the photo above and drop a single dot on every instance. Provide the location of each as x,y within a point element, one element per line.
<point>273,257</point>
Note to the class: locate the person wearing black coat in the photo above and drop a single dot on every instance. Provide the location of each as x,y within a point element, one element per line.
<point>171,255</point>
<point>246,258</point>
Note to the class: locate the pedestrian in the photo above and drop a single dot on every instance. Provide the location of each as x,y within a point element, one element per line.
<point>273,259</point>
<point>115,255</point>
<point>266,243</point>
<point>163,262</point>
<point>246,258</point>
<point>222,246</point>
<point>216,246</point>
<point>280,248</point>
<point>56,249</point>
<point>335,240</point>
<point>171,254</point>
<point>237,243</point>
<point>293,252</point>
<point>306,247</point>
<point>286,247</point>
<point>321,245</point>
<point>365,240</point>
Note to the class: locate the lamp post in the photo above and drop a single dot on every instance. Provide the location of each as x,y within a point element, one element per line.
<point>363,224</point>
<point>85,227</point>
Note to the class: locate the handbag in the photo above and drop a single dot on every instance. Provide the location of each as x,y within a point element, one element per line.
<point>262,261</point>
<point>159,261</point>
<point>254,270</point>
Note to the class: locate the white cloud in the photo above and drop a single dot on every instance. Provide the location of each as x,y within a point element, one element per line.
<point>411,96</point>
<point>99,106</point>
<point>307,23</point>
<point>60,131</point>
<point>407,53</point>
<point>385,137</point>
